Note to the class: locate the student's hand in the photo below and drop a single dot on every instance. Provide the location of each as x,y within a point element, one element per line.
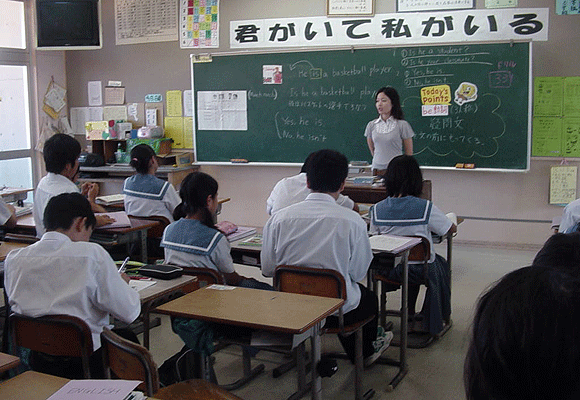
<point>104,220</point>
<point>85,188</point>
<point>125,277</point>
<point>93,192</point>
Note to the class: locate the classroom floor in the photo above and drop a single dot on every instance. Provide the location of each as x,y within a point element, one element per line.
<point>434,373</point>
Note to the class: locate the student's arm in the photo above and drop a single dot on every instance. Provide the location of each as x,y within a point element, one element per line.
<point>440,223</point>
<point>371,145</point>
<point>408,146</point>
<point>222,258</point>
<point>171,199</point>
<point>267,255</point>
<point>361,253</point>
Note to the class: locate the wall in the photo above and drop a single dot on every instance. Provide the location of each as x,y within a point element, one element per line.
<point>157,67</point>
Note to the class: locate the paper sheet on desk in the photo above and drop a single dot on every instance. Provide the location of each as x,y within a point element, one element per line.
<point>139,284</point>
<point>120,217</point>
<point>387,243</point>
<point>94,389</point>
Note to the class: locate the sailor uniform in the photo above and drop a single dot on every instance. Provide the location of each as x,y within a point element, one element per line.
<point>146,195</point>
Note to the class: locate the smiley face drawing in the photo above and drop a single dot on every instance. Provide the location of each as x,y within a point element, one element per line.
<point>465,93</point>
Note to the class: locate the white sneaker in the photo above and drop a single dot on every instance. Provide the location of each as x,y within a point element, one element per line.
<point>380,345</point>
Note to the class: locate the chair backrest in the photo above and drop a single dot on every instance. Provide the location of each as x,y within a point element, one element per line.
<point>128,360</point>
<point>205,276</point>
<point>156,231</point>
<point>312,281</point>
<point>421,251</point>
<point>56,335</point>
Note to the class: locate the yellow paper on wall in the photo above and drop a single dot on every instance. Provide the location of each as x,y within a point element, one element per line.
<point>174,106</point>
<point>174,130</point>
<point>188,133</point>
<point>563,184</point>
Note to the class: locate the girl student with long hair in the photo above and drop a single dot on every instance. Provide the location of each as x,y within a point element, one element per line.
<point>145,194</point>
<point>193,240</point>
<point>389,135</point>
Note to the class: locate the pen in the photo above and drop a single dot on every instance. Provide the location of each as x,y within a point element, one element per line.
<point>122,267</point>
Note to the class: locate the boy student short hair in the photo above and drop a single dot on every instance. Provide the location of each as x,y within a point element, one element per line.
<point>403,177</point>
<point>326,171</point>
<point>306,163</point>
<point>61,211</point>
<point>60,150</point>
<point>525,341</point>
<point>391,93</point>
<point>140,157</point>
<point>561,250</point>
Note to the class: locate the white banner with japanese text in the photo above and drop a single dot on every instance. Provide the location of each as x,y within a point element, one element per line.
<point>393,29</point>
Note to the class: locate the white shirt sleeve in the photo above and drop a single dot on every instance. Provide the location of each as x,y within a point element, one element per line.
<point>362,254</point>
<point>406,130</point>
<point>113,294</point>
<point>345,201</point>
<point>369,129</point>
<point>274,195</point>
<point>222,258</point>
<point>268,254</point>
<point>438,222</point>
<point>5,213</point>
<point>171,199</point>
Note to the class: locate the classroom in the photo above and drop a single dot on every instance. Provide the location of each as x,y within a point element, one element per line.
<point>506,215</point>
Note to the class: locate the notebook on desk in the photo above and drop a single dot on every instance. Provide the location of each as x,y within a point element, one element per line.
<point>389,243</point>
<point>110,199</point>
<point>120,217</point>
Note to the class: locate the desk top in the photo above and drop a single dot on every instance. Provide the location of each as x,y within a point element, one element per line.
<point>8,361</point>
<point>253,308</point>
<point>31,385</point>
<point>7,247</point>
<point>26,223</point>
<point>162,287</point>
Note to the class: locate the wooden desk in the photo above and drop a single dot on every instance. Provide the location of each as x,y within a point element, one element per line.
<point>291,313</point>
<point>7,362</point>
<point>244,254</point>
<point>371,194</point>
<point>161,292</point>
<point>136,233</point>
<point>7,247</point>
<point>32,385</point>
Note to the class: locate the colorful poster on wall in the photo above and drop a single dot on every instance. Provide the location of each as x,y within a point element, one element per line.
<point>199,24</point>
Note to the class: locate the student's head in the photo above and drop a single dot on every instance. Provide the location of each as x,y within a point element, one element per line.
<point>326,171</point>
<point>198,195</point>
<point>61,153</point>
<point>396,109</point>
<point>69,211</point>
<point>403,177</point>
<point>306,163</point>
<point>142,157</point>
<point>525,341</point>
<point>561,250</point>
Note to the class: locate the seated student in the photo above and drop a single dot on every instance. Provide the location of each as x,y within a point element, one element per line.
<point>319,233</point>
<point>193,241</point>
<point>61,153</point>
<point>63,273</point>
<point>570,217</point>
<point>145,194</point>
<point>561,250</point>
<point>7,214</point>
<point>404,213</point>
<point>293,190</point>
<point>525,341</point>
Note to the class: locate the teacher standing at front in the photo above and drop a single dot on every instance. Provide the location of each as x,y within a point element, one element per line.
<point>389,135</point>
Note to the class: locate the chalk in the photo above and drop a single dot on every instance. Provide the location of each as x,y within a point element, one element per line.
<point>239,161</point>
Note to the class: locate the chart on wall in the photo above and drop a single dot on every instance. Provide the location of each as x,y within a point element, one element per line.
<point>466,103</point>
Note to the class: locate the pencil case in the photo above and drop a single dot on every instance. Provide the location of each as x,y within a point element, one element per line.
<point>161,271</point>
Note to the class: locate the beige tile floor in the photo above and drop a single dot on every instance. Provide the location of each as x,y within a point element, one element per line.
<point>434,373</point>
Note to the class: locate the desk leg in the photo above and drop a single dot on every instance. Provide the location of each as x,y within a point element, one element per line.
<point>316,346</point>
<point>143,240</point>
<point>449,248</point>
<point>146,323</point>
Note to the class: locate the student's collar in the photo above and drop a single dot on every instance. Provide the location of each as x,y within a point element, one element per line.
<point>54,235</point>
<point>321,196</point>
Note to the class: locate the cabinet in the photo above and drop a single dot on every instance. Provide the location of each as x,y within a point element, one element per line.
<point>107,148</point>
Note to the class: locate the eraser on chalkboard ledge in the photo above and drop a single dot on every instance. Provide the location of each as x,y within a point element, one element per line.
<point>459,165</point>
<point>239,161</point>
<point>465,165</point>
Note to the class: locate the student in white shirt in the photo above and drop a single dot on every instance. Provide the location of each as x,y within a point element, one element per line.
<point>319,233</point>
<point>145,194</point>
<point>570,217</point>
<point>64,273</point>
<point>61,153</point>
<point>7,215</point>
<point>293,189</point>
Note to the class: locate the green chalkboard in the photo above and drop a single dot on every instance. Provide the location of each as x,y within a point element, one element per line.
<point>326,98</point>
